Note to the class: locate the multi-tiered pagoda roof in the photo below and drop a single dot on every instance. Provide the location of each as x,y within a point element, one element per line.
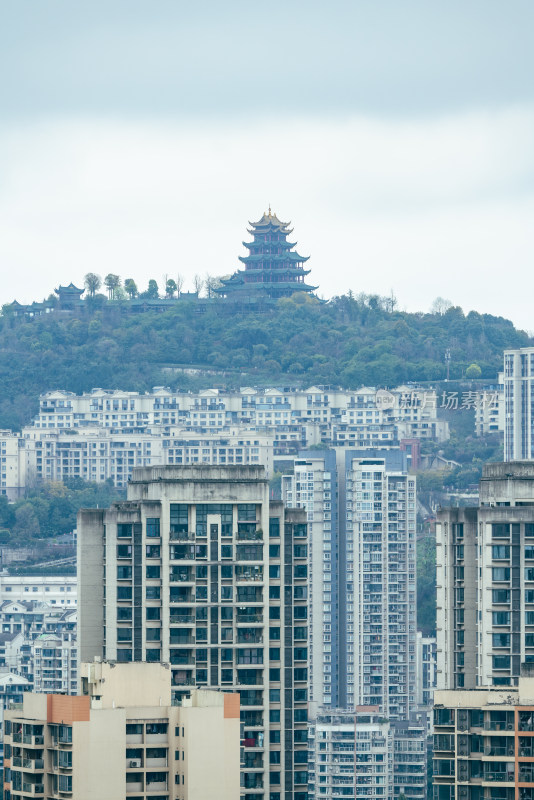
<point>273,268</point>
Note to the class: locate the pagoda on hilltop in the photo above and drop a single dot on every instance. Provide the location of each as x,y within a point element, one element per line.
<point>273,269</point>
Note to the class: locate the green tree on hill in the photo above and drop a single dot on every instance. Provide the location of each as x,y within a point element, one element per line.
<point>92,283</point>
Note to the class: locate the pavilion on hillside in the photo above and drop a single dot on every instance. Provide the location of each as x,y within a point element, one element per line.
<point>273,269</point>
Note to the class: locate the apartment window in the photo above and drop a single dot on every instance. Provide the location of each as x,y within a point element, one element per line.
<point>65,783</point>
<point>503,596</point>
<point>124,592</point>
<point>503,574</point>
<point>153,612</point>
<point>152,527</point>
<point>502,617</point>
<point>500,530</point>
<point>124,531</point>
<point>153,592</point>
<point>246,512</point>
<point>124,573</point>
<point>501,639</point>
<point>124,613</point>
<point>153,571</point>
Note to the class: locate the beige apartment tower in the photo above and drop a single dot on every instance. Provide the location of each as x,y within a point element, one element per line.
<point>485,582</point>
<point>122,738</point>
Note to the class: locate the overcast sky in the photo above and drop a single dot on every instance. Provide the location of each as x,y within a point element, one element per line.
<point>396,135</point>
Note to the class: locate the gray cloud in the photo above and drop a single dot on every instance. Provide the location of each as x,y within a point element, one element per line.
<point>238,58</point>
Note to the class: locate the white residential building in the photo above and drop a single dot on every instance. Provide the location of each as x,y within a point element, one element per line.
<point>313,487</point>
<point>380,623</point>
<point>12,687</point>
<point>426,670</point>
<point>102,435</point>
<point>519,404</point>
<point>55,591</point>
<point>489,410</point>
<point>350,755</point>
<point>55,663</point>
<point>14,466</point>
<point>213,409</point>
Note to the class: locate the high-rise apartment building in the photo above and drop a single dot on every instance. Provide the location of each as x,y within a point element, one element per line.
<point>350,755</point>
<point>123,738</point>
<point>485,582</point>
<point>361,513</point>
<point>313,487</point>
<point>410,753</point>
<point>519,404</point>
<point>380,563</point>
<point>197,568</point>
<point>426,670</point>
<point>361,755</point>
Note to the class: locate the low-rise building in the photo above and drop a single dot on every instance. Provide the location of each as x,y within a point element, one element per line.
<point>123,737</point>
<point>12,687</point>
<point>38,641</point>
<point>484,743</point>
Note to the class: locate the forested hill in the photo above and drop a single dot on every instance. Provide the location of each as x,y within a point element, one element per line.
<point>348,341</point>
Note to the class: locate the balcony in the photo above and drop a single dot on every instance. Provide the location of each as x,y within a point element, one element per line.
<point>252,761</point>
<point>29,764</point>
<point>179,594</point>
<point>249,534</point>
<point>33,789</point>
<point>181,536</point>
<point>499,777</point>
<point>181,575</point>
<point>499,725</point>
<point>245,575</point>
<point>249,618</point>
<point>252,636</point>
<point>255,740</point>
<point>186,638</point>
<point>500,750</point>
<point>175,618</point>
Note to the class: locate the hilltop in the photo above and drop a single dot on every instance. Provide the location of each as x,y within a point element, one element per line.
<point>350,341</point>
